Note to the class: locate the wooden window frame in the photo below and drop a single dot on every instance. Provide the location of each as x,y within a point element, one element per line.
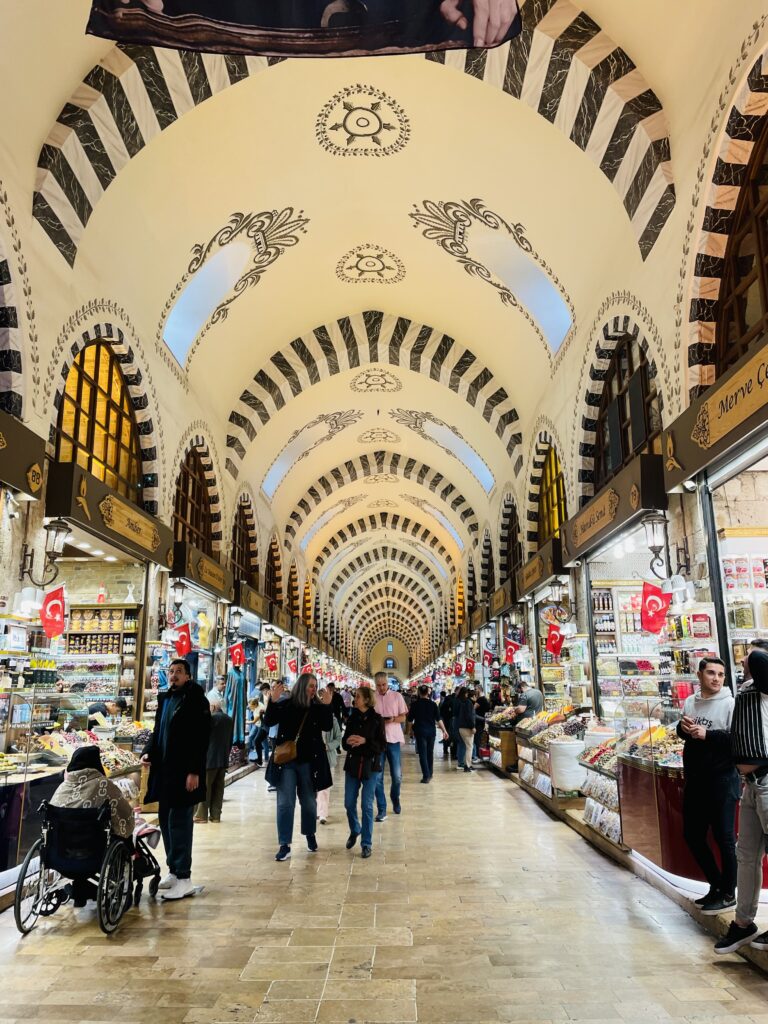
<point>552,505</point>
<point>192,504</point>
<point>244,557</point>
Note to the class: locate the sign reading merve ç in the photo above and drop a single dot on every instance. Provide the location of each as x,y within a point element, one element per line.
<point>126,520</point>
<point>733,402</point>
<point>595,518</point>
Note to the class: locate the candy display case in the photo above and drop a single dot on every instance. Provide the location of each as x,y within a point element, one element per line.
<point>535,737</point>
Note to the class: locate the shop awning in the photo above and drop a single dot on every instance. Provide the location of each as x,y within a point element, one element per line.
<point>22,457</point>
<point>83,499</point>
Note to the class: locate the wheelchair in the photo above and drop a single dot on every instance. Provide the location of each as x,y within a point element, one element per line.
<point>78,843</point>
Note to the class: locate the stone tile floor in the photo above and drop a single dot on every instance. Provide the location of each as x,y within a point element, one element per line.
<point>476,908</point>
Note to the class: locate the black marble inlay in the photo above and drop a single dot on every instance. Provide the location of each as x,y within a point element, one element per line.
<point>271,61</point>
<point>53,227</point>
<point>418,348</point>
<point>237,68</point>
<point>508,418</point>
<point>704,310</point>
<point>236,445</point>
<point>659,218</point>
<point>702,353</point>
<point>288,372</point>
<point>8,317</point>
<point>109,86</point>
<point>498,396</point>
<point>707,265</point>
<point>520,52</point>
<point>635,111</point>
<point>719,222</point>
<point>579,32</point>
<point>238,420</point>
<point>744,127</point>
<point>609,70</point>
<point>440,356</point>
<point>729,174</point>
<point>307,359</point>
<point>249,399</point>
<point>474,64</point>
<point>477,385</point>
<point>145,59</point>
<point>395,342</point>
<point>326,346</point>
<point>758,82</point>
<point>81,123</point>
<point>338,477</point>
<point>350,341</point>
<point>52,159</point>
<point>10,360</point>
<point>656,154</point>
<point>5,273</point>
<point>10,402</point>
<point>197,76</point>
<point>373,321</point>
<point>466,360</point>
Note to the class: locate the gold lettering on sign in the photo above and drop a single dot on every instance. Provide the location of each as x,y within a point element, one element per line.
<point>634,498</point>
<point>256,603</point>
<point>34,478</point>
<point>82,498</point>
<point>122,518</point>
<point>593,519</point>
<point>533,571</point>
<point>211,573</point>
<point>671,459</point>
<point>733,402</point>
<point>498,600</point>
<point>3,442</point>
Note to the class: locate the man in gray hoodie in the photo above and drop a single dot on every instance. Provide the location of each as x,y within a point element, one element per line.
<point>711,784</point>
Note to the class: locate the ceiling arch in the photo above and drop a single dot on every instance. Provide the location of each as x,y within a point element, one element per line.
<point>365,466</point>
<point>374,563</point>
<point>385,597</point>
<point>360,340</point>
<point>562,65</point>
<point>395,621</point>
<point>383,521</point>
<point>410,584</point>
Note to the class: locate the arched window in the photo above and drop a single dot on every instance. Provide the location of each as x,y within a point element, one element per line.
<point>461,608</point>
<point>629,416</point>
<point>511,542</point>
<point>471,589</point>
<point>245,564</point>
<point>307,605</point>
<point>552,511</point>
<point>96,427</point>
<point>192,506</point>
<point>273,576</point>
<point>489,569</point>
<point>294,604</point>
<point>743,301</point>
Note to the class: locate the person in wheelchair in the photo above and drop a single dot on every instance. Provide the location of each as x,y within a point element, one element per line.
<point>86,785</point>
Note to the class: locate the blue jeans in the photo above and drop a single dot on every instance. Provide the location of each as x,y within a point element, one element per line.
<point>352,787</point>
<point>460,748</point>
<point>295,777</point>
<point>392,754</point>
<point>176,826</point>
<point>425,748</point>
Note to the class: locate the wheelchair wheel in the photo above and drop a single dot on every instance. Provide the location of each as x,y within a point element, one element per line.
<point>115,887</point>
<point>30,890</point>
<point>154,885</point>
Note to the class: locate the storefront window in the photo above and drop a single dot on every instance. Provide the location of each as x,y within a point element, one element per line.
<point>629,417</point>
<point>552,510</point>
<point>245,563</point>
<point>96,426</point>
<point>743,318</point>
<point>192,507</point>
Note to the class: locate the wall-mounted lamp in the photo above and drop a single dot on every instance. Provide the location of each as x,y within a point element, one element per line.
<point>56,533</point>
<point>655,525</point>
<point>683,558</point>
<point>557,590</point>
<point>178,593</point>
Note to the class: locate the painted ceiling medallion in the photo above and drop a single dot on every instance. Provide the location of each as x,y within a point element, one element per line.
<point>379,435</point>
<point>370,264</point>
<point>383,503</point>
<point>362,121</point>
<point>381,478</point>
<point>376,379</point>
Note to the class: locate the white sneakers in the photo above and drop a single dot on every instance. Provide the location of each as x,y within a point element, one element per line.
<point>168,882</point>
<point>182,888</point>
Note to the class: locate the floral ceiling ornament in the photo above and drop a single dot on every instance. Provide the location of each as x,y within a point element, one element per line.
<point>370,264</point>
<point>269,233</point>
<point>376,379</point>
<point>381,478</point>
<point>446,224</point>
<point>362,121</point>
<point>379,435</point>
<point>382,503</point>
<point>415,420</point>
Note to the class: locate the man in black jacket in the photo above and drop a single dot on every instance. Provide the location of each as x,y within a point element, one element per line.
<point>219,748</point>
<point>176,753</point>
<point>424,715</point>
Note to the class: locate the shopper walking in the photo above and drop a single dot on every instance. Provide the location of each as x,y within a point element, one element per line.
<point>365,741</point>
<point>447,711</point>
<point>177,753</point>
<point>392,708</point>
<point>711,784</point>
<point>425,717</point>
<point>331,740</point>
<point>749,749</point>
<point>482,708</point>
<point>339,708</point>
<point>217,762</point>
<point>465,723</point>
<point>298,765</point>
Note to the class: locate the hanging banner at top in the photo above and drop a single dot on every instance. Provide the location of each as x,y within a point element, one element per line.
<point>307,28</point>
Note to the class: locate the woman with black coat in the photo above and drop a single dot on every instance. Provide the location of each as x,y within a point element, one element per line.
<point>301,717</point>
<point>365,741</point>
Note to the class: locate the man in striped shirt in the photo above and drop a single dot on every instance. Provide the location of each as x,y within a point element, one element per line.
<point>749,748</point>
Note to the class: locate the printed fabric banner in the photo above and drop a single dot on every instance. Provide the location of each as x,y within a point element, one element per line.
<point>307,28</point>
<point>653,611</point>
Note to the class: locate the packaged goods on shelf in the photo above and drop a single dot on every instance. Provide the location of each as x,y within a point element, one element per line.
<point>542,782</point>
<point>603,820</point>
<point>527,773</point>
<point>602,789</point>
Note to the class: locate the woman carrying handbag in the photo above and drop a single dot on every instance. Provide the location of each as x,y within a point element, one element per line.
<point>299,764</point>
<point>365,741</point>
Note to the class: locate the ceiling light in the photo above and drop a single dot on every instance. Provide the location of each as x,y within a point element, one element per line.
<point>97,552</point>
<point>110,558</point>
<point>83,545</point>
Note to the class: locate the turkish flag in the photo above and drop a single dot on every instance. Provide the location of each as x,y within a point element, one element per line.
<point>183,642</point>
<point>53,612</point>
<point>554,640</point>
<point>457,668</point>
<point>271,662</point>
<point>653,610</point>
<point>510,646</point>
<point>470,667</point>
<point>487,659</point>
<point>237,654</point>
<point>293,665</point>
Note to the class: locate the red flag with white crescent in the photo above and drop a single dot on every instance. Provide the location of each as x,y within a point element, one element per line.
<point>470,666</point>
<point>653,611</point>
<point>554,640</point>
<point>52,613</point>
<point>270,661</point>
<point>183,643</point>
<point>237,654</point>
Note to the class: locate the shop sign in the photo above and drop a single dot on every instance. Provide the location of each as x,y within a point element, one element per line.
<point>84,499</point>
<point>453,636</point>
<point>479,618</point>
<point>539,570</point>
<point>725,415</point>
<point>501,599</point>
<point>299,630</point>
<point>314,638</point>
<point>190,563</point>
<point>281,619</point>
<point>638,488</point>
<point>22,456</point>
<point>251,600</point>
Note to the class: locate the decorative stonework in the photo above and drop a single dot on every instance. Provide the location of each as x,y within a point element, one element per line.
<point>414,420</point>
<point>376,380</point>
<point>362,121</point>
<point>11,362</point>
<point>370,264</point>
<point>382,503</point>
<point>381,478</point>
<point>379,435</point>
<point>446,223</point>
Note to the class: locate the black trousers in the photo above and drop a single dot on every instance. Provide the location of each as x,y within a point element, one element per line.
<point>710,806</point>
<point>425,747</point>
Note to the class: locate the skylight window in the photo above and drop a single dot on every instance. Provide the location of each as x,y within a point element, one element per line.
<point>465,453</point>
<point>444,522</point>
<point>209,286</point>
